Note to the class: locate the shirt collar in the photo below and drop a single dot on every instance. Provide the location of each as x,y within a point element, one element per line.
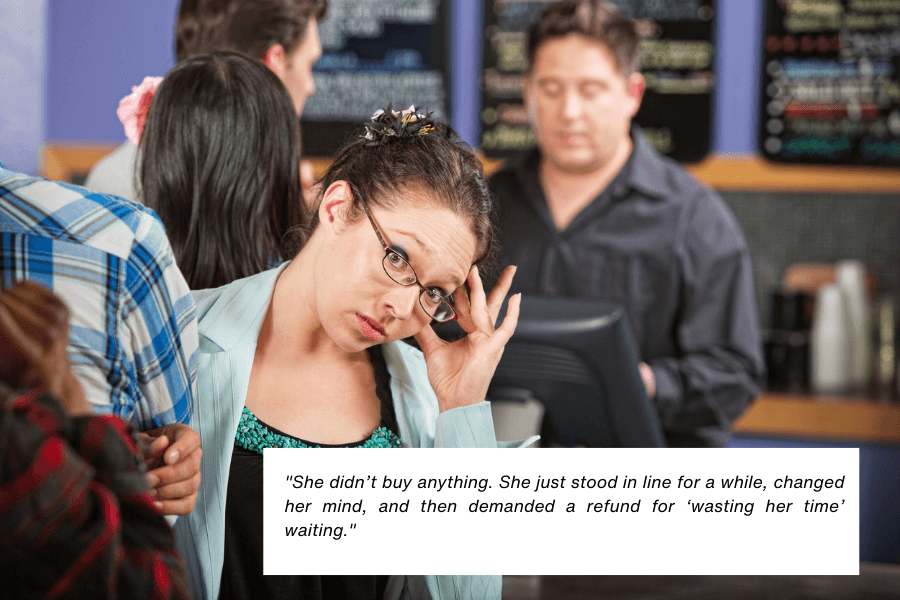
<point>643,171</point>
<point>648,172</point>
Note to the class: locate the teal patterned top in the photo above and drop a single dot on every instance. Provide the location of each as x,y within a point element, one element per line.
<point>254,435</point>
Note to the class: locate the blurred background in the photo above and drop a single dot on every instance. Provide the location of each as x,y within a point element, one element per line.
<point>791,110</point>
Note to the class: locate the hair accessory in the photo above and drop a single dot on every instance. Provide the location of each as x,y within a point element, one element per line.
<point>134,107</point>
<point>388,124</point>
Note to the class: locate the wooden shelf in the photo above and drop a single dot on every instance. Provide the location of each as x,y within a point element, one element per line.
<point>750,172</point>
<point>60,161</point>
<point>822,418</point>
<point>753,173</point>
<point>744,172</point>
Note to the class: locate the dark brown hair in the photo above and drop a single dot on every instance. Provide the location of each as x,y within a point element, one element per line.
<point>440,165</point>
<point>248,26</point>
<point>221,166</point>
<point>594,19</point>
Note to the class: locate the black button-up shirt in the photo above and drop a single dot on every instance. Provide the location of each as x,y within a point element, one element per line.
<point>671,252</point>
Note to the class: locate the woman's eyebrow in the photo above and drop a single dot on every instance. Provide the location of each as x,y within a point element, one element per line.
<point>427,251</point>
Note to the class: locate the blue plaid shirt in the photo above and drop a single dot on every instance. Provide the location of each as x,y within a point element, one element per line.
<point>133,337</point>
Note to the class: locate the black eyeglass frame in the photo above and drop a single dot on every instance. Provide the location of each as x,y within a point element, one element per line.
<point>388,251</point>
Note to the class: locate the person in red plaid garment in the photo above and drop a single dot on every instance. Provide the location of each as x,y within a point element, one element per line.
<point>76,516</point>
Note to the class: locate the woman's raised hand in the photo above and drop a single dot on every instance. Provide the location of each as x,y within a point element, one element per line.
<point>460,372</point>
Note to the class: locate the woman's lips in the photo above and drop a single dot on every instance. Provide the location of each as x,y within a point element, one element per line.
<point>370,327</point>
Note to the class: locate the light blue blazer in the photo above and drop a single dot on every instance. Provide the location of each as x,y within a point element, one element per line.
<point>230,319</point>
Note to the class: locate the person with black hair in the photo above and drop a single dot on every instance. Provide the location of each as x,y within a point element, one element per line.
<point>221,167</point>
<point>594,212</point>
<point>283,34</point>
<point>311,353</point>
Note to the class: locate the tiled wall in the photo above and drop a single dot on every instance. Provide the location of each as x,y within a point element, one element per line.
<point>782,229</point>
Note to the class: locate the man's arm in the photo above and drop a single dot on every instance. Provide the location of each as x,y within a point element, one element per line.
<point>163,331</point>
<point>702,391</point>
<point>75,517</point>
<point>161,321</point>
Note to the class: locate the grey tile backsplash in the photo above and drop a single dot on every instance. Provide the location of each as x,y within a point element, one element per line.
<point>784,228</point>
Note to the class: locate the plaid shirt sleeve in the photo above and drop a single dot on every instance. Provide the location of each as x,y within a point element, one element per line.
<point>160,319</point>
<point>76,520</point>
<point>133,337</point>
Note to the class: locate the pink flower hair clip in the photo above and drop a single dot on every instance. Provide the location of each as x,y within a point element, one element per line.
<point>134,107</point>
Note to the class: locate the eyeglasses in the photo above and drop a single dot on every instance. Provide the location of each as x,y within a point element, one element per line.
<point>438,306</point>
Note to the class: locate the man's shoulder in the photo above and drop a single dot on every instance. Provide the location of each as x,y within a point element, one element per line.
<point>66,212</point>
<point>666,177</point>
<point>510,180</point>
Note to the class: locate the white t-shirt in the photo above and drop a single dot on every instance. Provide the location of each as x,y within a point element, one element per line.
<point>115,173</point>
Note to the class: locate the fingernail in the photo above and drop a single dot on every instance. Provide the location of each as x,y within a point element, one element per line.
<point>152,480</point>
<point>173,458</point>
<point>158,505</point>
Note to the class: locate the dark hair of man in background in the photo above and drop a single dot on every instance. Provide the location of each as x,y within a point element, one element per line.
<point>249,26</point>
<point>223,175</point>
<point>599,22</point>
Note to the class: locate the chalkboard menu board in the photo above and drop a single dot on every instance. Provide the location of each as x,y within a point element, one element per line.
<point>375,52</point>
<point>677,62</point>
<point>830,84</point>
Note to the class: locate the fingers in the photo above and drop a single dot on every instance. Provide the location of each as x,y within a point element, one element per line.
<point>478,302</point>
<point>185,470</point>
<point>184,442</point>
<point>498,294</point>
<point>152,447</point>
<point>463,308</point>
<point>506,330</point>
<point>181,506</point>
<point>177,490</point>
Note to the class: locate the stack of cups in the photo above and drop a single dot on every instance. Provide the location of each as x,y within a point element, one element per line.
<point>840,332</point>
<point>786,342</point>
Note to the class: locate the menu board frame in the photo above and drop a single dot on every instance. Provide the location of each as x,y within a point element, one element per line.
<point>830,84</point>
<point>323,138</point>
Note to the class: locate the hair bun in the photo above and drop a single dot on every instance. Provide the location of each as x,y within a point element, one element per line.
<point>388,125</point>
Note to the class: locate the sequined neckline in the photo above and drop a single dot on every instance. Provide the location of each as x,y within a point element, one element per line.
<point>254,435</point>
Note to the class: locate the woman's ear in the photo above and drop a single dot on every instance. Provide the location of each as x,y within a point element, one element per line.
<point>276,59</point>
<point>335,204</point>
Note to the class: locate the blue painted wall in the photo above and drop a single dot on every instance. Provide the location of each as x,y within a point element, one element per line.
<point>98,50</point>
<point>22,61</point>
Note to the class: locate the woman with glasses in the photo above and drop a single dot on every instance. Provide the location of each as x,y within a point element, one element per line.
<point>310,353</point>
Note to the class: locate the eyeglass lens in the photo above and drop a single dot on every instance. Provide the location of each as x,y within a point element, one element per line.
<point>398,269</point>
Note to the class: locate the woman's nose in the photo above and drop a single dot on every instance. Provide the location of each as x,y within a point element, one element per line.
<point>402,302</point>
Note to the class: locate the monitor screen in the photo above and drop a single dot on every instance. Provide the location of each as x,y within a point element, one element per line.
<point>578,359</point>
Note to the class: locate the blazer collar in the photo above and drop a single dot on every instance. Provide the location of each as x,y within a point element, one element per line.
<point>233,314</point>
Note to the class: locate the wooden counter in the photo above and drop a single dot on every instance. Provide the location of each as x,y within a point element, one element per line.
<point>725,172</point>
<point>820,417</point>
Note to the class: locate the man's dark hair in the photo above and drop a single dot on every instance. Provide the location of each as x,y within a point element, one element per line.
<point>594,19</point>
<point>221,166</point>
<point>438,166</point>
<point>248,26</point>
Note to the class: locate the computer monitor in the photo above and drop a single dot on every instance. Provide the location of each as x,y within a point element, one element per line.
<point>578,358</point>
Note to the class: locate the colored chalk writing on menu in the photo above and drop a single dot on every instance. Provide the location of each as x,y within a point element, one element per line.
<point>677,62</point>
<point>375,52</point>
<point>830,83</point>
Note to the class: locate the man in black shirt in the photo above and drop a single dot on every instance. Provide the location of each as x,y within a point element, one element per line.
<point>595,212</point>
